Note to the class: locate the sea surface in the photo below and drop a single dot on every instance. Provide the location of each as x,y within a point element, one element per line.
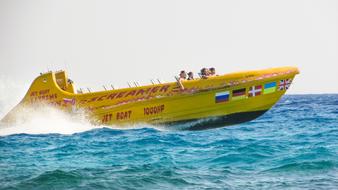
<point>292,146</point>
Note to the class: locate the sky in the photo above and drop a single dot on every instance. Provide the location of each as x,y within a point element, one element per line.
<point>103,42</point>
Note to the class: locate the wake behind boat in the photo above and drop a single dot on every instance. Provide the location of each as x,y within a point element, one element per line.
<point>198,104</point>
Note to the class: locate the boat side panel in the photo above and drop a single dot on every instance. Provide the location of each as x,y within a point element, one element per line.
<point>193,106</point>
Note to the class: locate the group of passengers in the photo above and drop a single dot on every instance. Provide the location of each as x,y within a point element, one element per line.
<point>204,74</point>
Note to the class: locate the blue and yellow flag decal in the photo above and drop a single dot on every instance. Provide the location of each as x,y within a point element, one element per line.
<point>270,88</point>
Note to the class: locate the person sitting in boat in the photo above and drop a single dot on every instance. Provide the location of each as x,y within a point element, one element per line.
<point>183,75</point>
<point>212,72</point>
<point>204,73</point>
<point>190,76</point>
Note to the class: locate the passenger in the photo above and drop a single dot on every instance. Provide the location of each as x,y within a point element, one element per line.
<point>183,75</point>
<point>207,72</point>
<point>204,73</point>
<point>212,72</point>
<point>190,76</point>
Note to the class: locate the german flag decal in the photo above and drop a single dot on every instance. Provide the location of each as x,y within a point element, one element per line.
<point>239,94</point>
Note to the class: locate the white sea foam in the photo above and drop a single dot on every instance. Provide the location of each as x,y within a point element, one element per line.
<point>43,120</point>
<point>11,92</point>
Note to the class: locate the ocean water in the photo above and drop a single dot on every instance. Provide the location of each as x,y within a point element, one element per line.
<point>292,146</point>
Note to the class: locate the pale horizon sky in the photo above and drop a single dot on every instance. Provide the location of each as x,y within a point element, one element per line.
<point>107,42</point>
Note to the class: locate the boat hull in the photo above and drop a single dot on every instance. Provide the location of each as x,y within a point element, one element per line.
<point>215,122</point>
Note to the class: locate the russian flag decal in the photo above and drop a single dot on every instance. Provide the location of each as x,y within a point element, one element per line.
<point>222,97</point>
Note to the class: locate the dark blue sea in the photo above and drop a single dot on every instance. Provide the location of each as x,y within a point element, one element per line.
<point>292,146</point>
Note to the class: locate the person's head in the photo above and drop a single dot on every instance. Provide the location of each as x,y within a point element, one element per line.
<point>183,74</point>
<point>212,71</point>
<point>204,71</point>
<point>207,71</point>
<point>191,75</point>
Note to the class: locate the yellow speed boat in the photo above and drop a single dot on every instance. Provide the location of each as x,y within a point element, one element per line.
<point>197,104</point>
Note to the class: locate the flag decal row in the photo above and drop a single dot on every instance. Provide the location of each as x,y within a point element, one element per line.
<point>253,91</point>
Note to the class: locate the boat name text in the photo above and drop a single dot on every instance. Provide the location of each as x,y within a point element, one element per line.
<point>125,94</point>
